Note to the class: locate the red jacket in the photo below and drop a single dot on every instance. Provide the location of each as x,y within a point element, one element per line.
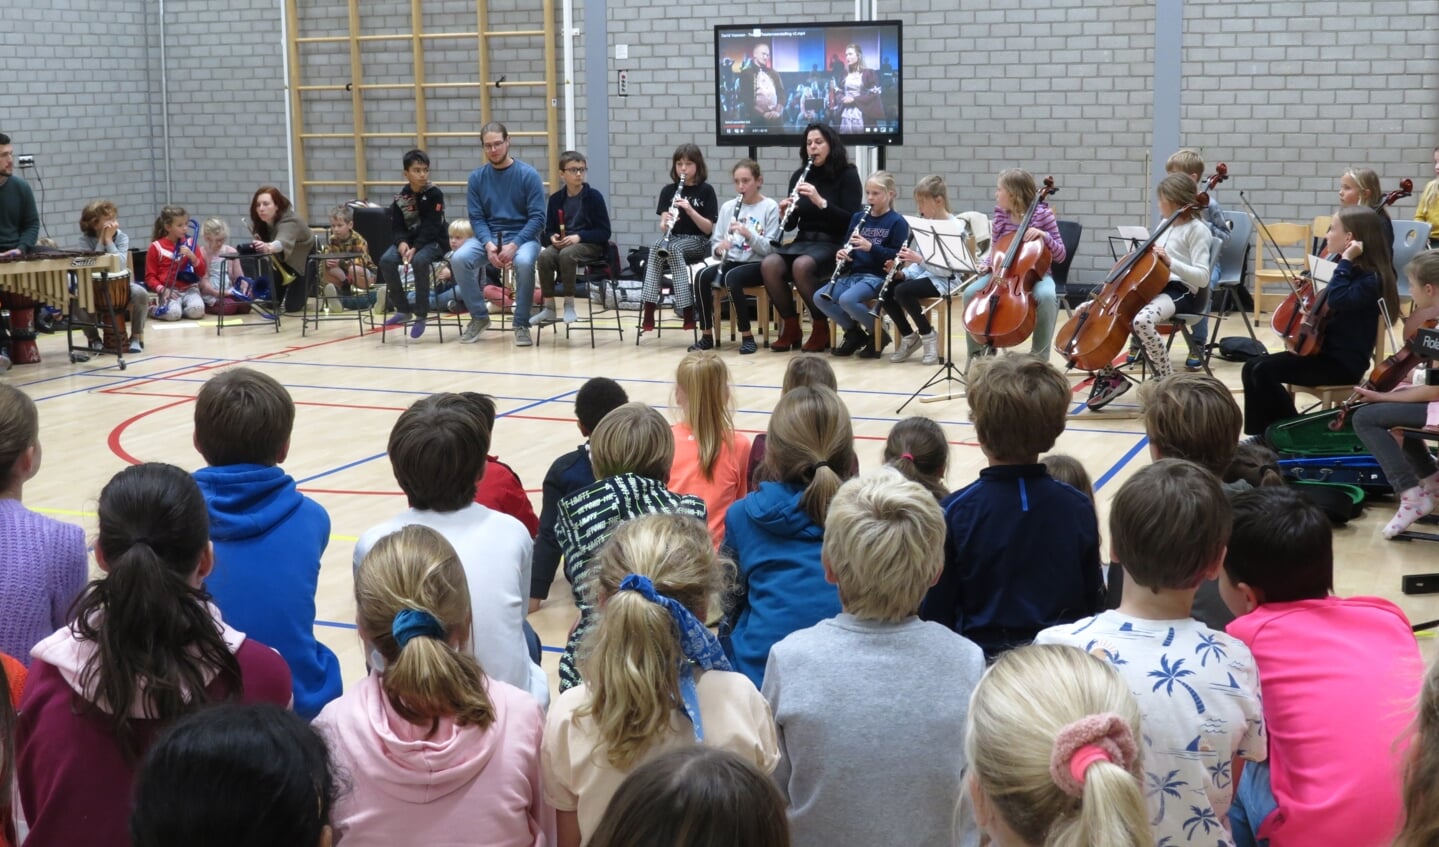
<point>500,489</point>
<point>160,264</point>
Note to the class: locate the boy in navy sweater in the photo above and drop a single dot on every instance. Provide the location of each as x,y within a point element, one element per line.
<point>268,537</point>
<point>577,232</point>
<point>1022,549</point>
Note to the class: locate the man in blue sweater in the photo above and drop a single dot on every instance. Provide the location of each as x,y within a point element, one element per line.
<point>507,210</point>
<point>19,225</point>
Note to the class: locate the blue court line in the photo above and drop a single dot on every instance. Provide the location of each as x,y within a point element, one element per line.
<point>121,380</point>
<point>1123,460</point>
<point>357,462</point>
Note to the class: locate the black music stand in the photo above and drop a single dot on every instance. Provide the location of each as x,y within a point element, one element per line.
<point>959,260</point>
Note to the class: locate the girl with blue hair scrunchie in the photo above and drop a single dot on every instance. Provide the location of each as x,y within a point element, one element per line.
<point>432,746</point>
<point>655,678</point>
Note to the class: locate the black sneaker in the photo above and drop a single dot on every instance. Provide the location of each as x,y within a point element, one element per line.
<point>855,340</point>
<point>705,343</point>
<point>872,351</point>
<point>1107,386</point>
<point>747,346</point>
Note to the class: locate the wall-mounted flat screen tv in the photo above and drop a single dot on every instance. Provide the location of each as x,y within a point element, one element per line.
<point>774,79</point>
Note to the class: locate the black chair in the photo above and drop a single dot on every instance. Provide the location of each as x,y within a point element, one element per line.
<point>1069,232</point>
<point>601,277</point>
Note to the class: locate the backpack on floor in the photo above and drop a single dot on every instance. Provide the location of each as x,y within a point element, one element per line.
<point>1240,348</point>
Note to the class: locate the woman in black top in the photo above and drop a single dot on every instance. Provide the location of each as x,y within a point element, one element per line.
<point>829,196</point>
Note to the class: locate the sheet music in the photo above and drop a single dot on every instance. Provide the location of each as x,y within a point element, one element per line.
<point>1321,270</point>
<point>926,232</point>
<point>1133,233</point>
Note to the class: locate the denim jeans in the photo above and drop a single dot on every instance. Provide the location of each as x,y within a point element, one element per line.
<point>847,299</point>
<point>1253,803</point>
<point>1403,465</point>
<point>470,259</point>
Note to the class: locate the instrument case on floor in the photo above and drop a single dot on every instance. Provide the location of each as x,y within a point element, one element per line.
<point>1341,502</point>
<point>1361,471</point>
<point>1310,435</point>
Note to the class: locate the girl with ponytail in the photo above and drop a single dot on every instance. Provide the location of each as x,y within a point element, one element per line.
<point>434,749</point>
<point>917,448</point>
<point>776,532</point>
<point>146,647</point>
<point>1058,770</point>
<point>655,678</point>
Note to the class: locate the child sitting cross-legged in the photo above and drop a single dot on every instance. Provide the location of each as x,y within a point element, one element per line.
<point>1197,688</point>
<point>1022,550</point>
<point>1325,663</point>
<point>883,548</point>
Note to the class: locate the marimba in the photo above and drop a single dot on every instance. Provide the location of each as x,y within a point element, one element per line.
<point>46,277</point>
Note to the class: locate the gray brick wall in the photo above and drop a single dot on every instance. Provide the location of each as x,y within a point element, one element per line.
<point>1287,93</point>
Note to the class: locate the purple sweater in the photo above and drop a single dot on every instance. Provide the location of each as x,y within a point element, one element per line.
<point>42,570</point>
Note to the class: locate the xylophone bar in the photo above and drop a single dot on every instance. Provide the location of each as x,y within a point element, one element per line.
<point>47,278</point>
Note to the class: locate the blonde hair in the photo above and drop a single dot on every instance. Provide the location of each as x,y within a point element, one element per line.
<point>633,438</point>
<point>810,443</point>
<point>703,389</point>
<point>933,188</point>
<point>1371,193</point>
<point>1018,405</point>
<point>1192,416</point>
<point>808,369</point>
<point>1185,161</point>
<point>1019,184</point>
<point>19,429</point>
<point>885,180</point>
<point>884,544</point>
<point>461,228</point>
<point>1010,740</point>
<point>1421,773</point>
<point>1180,192</point>
<point>1071,472</point>
<point>215,226</point>
<point>632,663</point>
<point>428,678</point>
<point>1423,269</point>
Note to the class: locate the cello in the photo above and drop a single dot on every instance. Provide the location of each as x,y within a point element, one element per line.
<point>1300,319</point>
<point>1003,313</point>
<point>1387,375</point>
<point>1098,330</point>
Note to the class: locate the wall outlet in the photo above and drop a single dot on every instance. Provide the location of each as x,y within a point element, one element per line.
<point>624,83</point>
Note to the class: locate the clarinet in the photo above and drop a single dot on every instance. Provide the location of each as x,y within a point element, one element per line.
<point>662,252</point>
<point>735,239</point>
<point>793,201</point>
<point>843,265</point>
<point>890,279</point>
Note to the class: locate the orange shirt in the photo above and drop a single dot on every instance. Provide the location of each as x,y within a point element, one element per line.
<point>729,482</point>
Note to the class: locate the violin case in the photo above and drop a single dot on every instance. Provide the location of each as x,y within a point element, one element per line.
<point>1360,471</point>
<point>1309,436</point>
<point>1339,501</point>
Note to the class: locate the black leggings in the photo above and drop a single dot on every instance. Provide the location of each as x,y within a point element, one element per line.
<point>735,277</point>
<point>1265,399</point>
<point>903,298</point>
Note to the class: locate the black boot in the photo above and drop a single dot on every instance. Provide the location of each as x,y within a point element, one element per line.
<point>855,339</point>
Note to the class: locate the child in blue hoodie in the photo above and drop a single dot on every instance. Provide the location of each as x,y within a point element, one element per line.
<point>775,533</point>
<point>268,536</point>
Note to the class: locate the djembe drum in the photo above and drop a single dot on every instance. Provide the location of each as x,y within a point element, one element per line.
<point>112,305</point>
<point>22,329</point>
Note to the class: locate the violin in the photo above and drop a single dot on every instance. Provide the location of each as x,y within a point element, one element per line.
<point>1003,313</point>
<point>1301,318</point>
<point>1387,375</point>
<point>1093,337</point>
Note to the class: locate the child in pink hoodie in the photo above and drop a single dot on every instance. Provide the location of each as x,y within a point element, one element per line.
<point>435,751</point>
<point>144,649</point>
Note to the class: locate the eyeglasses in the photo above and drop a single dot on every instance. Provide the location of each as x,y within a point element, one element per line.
<point>577,170</point>
<point>495,145</point>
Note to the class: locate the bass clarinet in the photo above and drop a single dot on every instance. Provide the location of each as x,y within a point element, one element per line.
<point>840,265</point>
<point>662,252</point>
<point>792,200</point>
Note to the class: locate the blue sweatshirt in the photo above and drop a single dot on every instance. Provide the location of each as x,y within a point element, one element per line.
<point>784,590</point>
<point>888,232</point>
<point>268,541</point>
<point>596,217</point>
<point>1353,298</point>
<point>509,200</point>
<point>1021,553</point>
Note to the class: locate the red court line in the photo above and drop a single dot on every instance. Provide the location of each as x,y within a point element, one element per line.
<point>119,430</point>
<point>283,351</point>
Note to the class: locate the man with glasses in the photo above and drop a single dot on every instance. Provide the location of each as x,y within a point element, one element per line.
<point>577,232</point>
<point>507,210</point>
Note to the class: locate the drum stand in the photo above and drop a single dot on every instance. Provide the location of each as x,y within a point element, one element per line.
<point>961,264</point>
<point>105,318</point>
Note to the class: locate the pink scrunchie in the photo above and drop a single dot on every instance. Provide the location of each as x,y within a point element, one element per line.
<point>1088,740</point>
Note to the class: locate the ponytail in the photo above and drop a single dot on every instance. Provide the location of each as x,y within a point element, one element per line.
<point>652,569</point>
<point>917,448</point>
<point>158,647</point>
<point>811,444</point>
<point>413,606</point>
<point>1109,807</point>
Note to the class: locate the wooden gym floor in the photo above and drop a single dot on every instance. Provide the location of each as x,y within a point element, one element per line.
<point>349,388</point>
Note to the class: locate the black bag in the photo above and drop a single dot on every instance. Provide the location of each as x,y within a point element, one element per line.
<point>1240,348</point>
<point>637,259</point>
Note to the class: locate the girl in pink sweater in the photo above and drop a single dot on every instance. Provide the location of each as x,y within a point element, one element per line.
<point>436,751</point>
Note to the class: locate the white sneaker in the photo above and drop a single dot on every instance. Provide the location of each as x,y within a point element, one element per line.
<point>522,337</point>
<point>570,316</point>
<point>906,347</point>
<point>474,329</point>
<point>931,348</point>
